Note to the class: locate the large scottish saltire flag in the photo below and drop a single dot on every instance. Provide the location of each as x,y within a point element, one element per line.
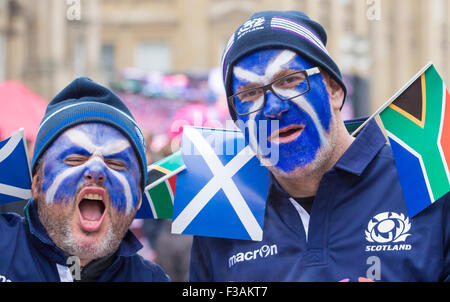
<point>15,176</point>
<point>417,123</point>
<point>222,192</point>
<point>158,195</point>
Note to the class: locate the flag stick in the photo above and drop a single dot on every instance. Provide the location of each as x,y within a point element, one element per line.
<point>395,96</point>
<point>22,130</point>
<point>165,177</point>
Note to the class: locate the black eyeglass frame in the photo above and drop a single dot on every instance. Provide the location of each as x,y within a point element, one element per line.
<point>307,73</point>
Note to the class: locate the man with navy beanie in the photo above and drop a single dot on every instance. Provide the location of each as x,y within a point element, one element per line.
<point>89,172</point>
<point>335,209</point>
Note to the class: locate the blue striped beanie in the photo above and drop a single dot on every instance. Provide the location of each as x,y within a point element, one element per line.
<point>292,30</point>
<point>84,101</point>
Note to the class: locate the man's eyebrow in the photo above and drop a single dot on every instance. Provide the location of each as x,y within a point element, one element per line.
<point>80,139</point>
<point>124,154</point>
<point>248,86</point>
<point>115,147</point>
<point>282,73</point>
<point>73,150</point>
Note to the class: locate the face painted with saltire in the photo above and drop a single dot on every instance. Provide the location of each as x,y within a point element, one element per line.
<point>303,122</point>
<point>90,176</point>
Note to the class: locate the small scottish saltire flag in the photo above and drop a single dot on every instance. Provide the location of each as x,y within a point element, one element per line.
<point>222,192</point>
<point>157,198</point>
<point>15,176</point>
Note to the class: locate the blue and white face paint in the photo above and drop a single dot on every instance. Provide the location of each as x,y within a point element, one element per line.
<point>304,121</point>
<point>92,155</point>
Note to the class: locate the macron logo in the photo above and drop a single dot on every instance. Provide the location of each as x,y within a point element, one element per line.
<point>263,252</point>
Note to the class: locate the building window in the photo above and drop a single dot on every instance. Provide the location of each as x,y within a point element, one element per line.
<point>2,58</point>
<point>79,58</point>
<point>153,56</point>
<point>108,61</point>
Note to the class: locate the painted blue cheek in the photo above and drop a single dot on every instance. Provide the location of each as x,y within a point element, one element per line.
<point>242,107</point>
<point>51,172</point>
<point>302,151</point>
<point>317,96</point>
<point>319,99</point>
<point>67,189</point>
<point>117,191</point>
<point>48,179</point>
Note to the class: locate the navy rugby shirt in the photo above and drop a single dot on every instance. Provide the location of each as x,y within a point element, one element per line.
<point>28,254</point>
<point>358,227</point>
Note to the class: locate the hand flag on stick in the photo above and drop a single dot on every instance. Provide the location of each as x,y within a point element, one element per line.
<point>157,198</point>
<point>223,191</point>
<point>417,122</point>
<point>15,176</point>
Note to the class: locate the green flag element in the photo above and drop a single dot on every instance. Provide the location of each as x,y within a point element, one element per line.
<point>157,199</point>
<point>417,122</point>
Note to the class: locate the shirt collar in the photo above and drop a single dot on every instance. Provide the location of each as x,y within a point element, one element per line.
<point>356,158</point>
<point>363,149</point>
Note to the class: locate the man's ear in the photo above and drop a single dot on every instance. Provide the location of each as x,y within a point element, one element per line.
<point>35,183</point>
<point>139,203</point>
<point>335,91</point>
<point>36,180</point>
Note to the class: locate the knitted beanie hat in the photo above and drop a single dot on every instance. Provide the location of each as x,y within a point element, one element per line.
<point>83,101</point>
<point>292,30</point>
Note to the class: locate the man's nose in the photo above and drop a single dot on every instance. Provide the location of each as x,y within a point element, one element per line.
<point>275,106</point>
<point>95,173</point>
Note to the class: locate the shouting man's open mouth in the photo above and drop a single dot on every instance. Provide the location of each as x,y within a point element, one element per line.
<point>92,203</point>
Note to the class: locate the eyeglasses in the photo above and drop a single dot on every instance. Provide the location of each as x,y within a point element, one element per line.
<point>286,88</point>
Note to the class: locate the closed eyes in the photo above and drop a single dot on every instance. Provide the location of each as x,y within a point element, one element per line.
<point>75,160</point>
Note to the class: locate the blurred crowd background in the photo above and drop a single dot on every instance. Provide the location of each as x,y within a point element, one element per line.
<point>162,57</point>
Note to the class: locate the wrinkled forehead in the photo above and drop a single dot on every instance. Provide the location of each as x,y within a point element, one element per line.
<point>264,61</point>
<point>90,135</point>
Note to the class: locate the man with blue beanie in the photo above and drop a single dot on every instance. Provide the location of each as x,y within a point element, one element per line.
<point>335,209</point>
<point>89,172</point>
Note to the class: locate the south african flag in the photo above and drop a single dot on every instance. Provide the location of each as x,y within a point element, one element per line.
<point>157,199</point>
<point>417,123</point>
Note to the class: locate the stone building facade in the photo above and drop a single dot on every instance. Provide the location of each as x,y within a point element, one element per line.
<point>46,43</point>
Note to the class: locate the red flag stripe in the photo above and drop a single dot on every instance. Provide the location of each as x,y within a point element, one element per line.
<point>445,134</point>
<point>172,182</point>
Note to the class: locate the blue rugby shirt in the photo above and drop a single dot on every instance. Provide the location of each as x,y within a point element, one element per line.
<point>28,254</point>
<point>358,227</point>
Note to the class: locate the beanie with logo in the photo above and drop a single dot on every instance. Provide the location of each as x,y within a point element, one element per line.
<point>292,30</point>
<point>84,101</point>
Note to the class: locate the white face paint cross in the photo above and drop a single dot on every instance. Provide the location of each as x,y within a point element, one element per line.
<point>115,146</point>
<point>80,139</point>
<point>274,67</point>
